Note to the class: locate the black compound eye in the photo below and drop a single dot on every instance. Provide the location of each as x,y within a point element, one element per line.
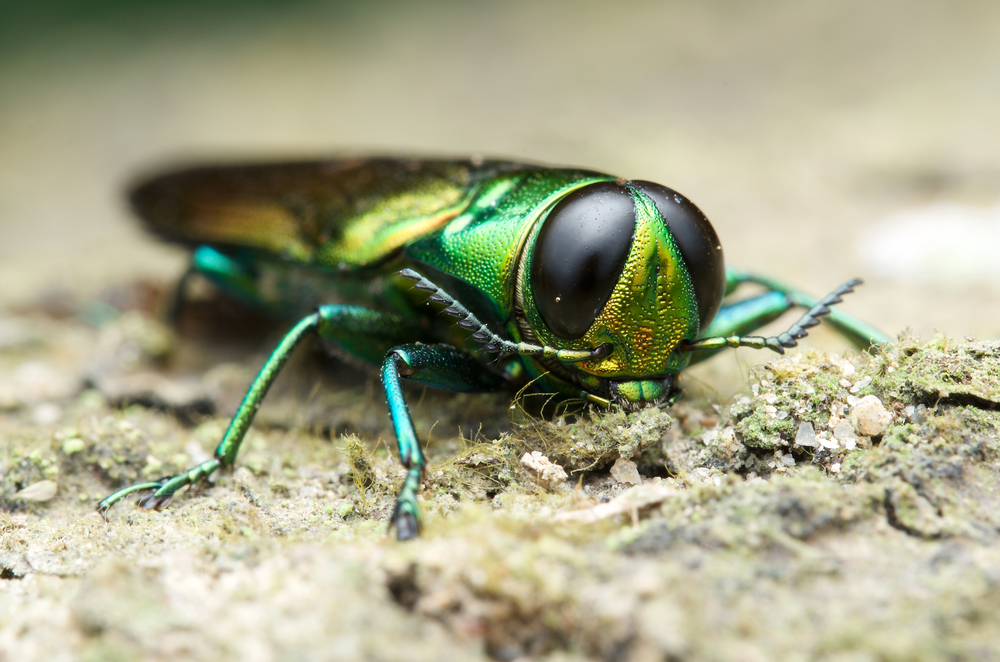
<point>698,243</point>
<point>579,256</point>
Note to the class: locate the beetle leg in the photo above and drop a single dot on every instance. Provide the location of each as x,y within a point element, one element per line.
<point>366,333</point>
<point>441,366</point>
<point>781,297</point>
<point>225,453</point>
<point>227,273</point>
<point>759,310</point>
<point>494,343</point>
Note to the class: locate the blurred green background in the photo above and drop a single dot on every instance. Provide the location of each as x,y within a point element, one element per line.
<point>797,125</point>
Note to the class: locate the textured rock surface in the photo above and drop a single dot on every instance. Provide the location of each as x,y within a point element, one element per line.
<point>795,125</point>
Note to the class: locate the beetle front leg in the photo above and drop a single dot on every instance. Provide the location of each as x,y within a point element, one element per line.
<point>440,366</point>
<point>778,343</point>
<point>750,314</point>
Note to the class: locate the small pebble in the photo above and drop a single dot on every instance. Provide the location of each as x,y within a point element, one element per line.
<point>46,413</point>
<point>43,490</point>
<point>827,442</point>
<point>844,433</point>
<point>625,471</point>
<point>806,436</point>
<point>544,472</point>
<point>870,417</point>
<point>919,415</point>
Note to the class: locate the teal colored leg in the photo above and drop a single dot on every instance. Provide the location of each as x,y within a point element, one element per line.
<point>748,315</point>
<point>174,306</point>
<point>225,453</point>
<point>228,273</point>
<point>761,309</point>
<point>441,366</point>
<point>362,333</point>
<point>369,332</point>
<point>857,331</point>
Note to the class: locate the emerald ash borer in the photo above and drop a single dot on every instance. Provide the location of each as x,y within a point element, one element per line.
<point>468,275</point>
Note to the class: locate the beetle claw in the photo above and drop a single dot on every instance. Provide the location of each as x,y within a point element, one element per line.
<point>406,522</point>
<point>406,527</point>
<point>154,502</point>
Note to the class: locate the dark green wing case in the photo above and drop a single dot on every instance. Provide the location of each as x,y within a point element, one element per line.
<point>340,213</point>
<point>462,221</point>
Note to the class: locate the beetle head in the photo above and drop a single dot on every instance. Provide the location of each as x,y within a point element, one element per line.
<point>629,263</point>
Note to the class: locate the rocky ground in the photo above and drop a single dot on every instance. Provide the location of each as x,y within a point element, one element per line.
<point>826,505</point>
<point>845,507</point>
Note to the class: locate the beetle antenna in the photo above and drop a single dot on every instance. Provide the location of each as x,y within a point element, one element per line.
<point>781,341</point>
<point>491,341</point>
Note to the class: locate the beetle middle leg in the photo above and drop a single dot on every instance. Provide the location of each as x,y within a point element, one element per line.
<point>440,366</point>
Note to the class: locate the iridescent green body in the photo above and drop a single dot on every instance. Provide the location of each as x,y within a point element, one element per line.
<point>368,253</point>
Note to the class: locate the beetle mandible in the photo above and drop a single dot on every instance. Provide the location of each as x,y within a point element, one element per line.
<point>591,286</point>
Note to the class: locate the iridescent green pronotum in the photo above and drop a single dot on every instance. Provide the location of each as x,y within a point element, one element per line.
<point>469,276</point>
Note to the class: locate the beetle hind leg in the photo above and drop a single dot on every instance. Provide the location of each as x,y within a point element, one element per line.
<point>225,453</point>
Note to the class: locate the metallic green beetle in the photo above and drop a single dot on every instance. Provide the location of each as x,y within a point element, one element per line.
<point>592,286</point>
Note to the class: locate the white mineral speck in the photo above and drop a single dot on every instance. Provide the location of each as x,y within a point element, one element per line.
<point>827,442</point>
<point>543,471</point>
<point>860,385</point>
<point>870,417</point>
<point>788,460</point>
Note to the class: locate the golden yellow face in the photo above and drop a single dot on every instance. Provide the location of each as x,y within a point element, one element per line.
<point>612,263</point>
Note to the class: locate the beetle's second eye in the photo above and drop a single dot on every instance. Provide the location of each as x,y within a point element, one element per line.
<point>579,256</point>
